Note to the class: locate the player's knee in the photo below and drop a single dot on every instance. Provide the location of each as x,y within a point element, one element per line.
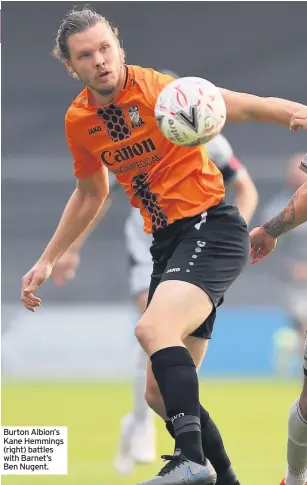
<point>145,332</point>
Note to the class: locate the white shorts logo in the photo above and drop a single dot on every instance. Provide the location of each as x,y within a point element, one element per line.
<point>180,415</point>
<point>203,219</point>
<point>201,244</point>
<point>173,270</point>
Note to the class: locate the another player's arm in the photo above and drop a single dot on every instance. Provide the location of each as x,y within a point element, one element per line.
<point>293,215</point>
<point>242,107</point>
<point>235,175</point>
<point>263,239</point>
<point>246,198</point>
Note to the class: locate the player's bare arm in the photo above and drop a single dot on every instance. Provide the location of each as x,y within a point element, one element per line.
<point>293,215</point>
<point>78,244</point>
<point>67,265</point>
<point>263,239</point>
<point>246,198</point>
<point>242,107</point>
<point>82,208</point>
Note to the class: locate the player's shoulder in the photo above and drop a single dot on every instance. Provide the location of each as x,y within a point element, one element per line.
<point>148,79</point>
<point>76,108</point>
<point>147,74</point>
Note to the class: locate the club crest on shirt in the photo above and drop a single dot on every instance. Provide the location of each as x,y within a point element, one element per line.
<point>135,117</point>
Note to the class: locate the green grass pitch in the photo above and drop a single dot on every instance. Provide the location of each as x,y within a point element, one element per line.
<point>252,416</point>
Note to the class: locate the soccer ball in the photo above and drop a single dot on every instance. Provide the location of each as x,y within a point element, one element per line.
<point>190,111</point>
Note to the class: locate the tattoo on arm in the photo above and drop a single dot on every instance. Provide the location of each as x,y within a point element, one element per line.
<point>284,221</point>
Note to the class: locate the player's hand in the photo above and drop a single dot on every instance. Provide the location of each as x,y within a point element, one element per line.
<point>299,120</point>
<point>262,244</point>
<point>66,267</point>
<point>32,281</point>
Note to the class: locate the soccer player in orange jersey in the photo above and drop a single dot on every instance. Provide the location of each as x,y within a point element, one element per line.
<point>200,243</point>
<point>263,242</point>
<point>137,443</point>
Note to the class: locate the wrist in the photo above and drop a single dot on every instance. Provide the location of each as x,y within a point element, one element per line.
<point>45,259</point>
<point>270,231</point>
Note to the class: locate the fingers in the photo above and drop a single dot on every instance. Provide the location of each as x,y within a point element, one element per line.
<point>31,303</point>
<point>258,252</point>
<point>299,120</point>
<point>30,283</point>
<point>296,124</point>
<point>33,280</point>
<point>259,256</point>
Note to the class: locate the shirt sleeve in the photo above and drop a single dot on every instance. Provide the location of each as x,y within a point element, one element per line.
<point>221,153</point>
<point>85,164</point>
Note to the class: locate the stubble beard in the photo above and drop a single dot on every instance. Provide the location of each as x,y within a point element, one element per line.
<point>111,90</point>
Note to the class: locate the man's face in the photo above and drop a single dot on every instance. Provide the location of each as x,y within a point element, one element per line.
<point>95,56</point>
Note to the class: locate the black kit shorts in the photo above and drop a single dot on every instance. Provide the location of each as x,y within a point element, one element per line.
<point>209,250</point>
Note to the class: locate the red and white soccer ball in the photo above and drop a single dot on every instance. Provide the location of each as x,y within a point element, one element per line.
<point>190,111</point>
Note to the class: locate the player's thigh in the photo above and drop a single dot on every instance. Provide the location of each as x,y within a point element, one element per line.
<point>212,253</point>
<point>177,308</point>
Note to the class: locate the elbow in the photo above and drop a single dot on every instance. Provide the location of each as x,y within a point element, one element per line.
<point>254,196</point>
<point>246,188</point>
<point>97,196</point>
<point>103,194</point>
<point>100,197</point>
<point>248,196</point>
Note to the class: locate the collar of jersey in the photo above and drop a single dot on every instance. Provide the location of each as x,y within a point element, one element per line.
<point>126,82</point>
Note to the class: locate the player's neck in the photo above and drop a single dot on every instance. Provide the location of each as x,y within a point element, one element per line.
<point>96,99</point>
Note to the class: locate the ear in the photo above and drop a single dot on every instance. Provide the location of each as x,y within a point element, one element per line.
<point>122,55</point>
<point>69,67</point>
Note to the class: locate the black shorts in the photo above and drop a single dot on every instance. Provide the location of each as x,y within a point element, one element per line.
<point>208,250</point>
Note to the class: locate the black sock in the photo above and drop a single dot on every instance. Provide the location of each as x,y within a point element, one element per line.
<point>176,376</point>
<point>213,449</point>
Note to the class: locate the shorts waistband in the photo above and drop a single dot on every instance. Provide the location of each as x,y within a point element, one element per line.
<point>185,223</point>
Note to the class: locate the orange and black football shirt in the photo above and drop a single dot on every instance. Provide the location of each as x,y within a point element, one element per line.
<point>166,182</point>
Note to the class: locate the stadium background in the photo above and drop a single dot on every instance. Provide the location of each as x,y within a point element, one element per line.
<point>67,364</point>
